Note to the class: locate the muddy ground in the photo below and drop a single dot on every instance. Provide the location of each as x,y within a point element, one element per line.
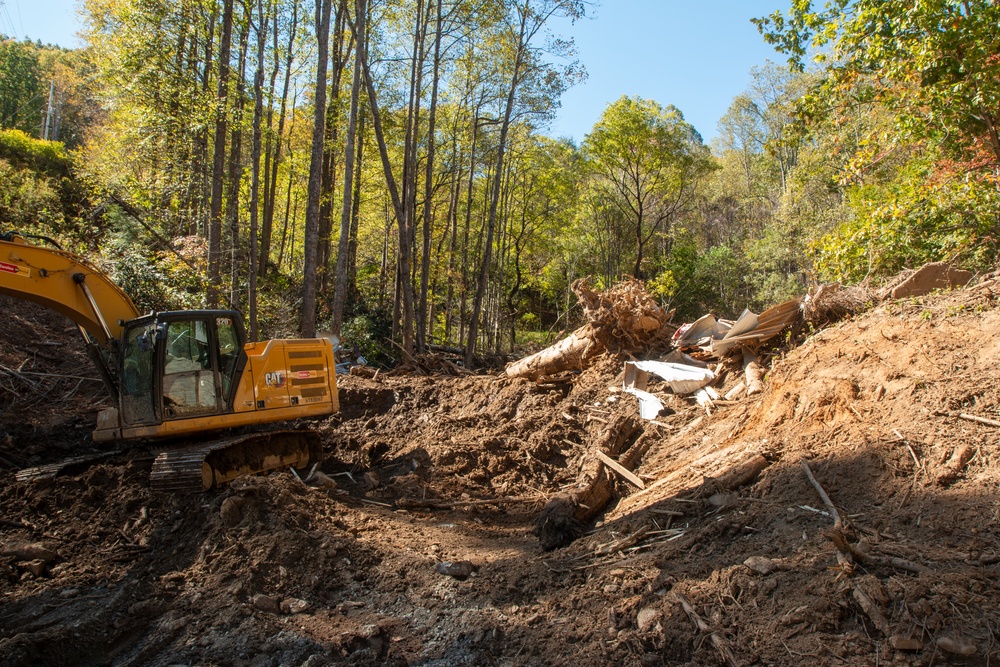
<point>97,569</point>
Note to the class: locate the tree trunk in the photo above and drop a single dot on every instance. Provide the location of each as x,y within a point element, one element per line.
<point>268,222</point>
<point>235,167</point>
<point>308,322</point>
<point>484,268</point>
<point>404,233</point>
<point>425,326</point>
<point>408,220</point>
<point>352,241</point>
<point>340,288</point>
<point>219,158</point>
<point>330,152</point>
<point>258,112</point>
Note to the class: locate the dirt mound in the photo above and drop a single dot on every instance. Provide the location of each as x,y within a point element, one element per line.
<point>421,551</point>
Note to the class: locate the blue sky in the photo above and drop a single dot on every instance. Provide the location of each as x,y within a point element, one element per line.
<point>694,55</point>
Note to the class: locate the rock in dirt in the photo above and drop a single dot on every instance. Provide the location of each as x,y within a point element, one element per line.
<point>322,480</point>
<point>651,659</point>
<point>761,564</point>
<point>646,619</point>
<point>36,567</point>
<point>461,569</point>
<point>294,606</point>
<point>24,551</point>
<point>266,603</point>
<point>957,645</point>
<point>901,643</point>
<point>231,511</point>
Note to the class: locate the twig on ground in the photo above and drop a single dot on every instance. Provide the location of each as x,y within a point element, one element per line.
<point>720,644</point>
<point>407,503</point>
<point>968,417</point>
<point>837,523</point>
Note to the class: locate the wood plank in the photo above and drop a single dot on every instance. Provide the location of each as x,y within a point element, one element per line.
<point>620,469</point>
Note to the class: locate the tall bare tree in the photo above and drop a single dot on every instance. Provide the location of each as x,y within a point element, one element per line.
<point>308,319</point>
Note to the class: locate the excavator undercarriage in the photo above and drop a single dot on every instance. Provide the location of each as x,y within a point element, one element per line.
<point>211,465</point>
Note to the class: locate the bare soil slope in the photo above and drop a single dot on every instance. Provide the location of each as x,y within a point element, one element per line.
<point>98,569</point>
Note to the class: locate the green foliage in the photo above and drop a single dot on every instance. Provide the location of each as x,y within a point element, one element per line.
<point>646,163</point>
<point>368,334</point>
<point>21,94</point>
<point>39,192</point>
<point>903,134</point>
<point>675,278</point>
<point>933,62</point>
<point>28,202</point>
<point>135,270</point>
<point>46,157</point>
<point>719,277</point>
<point>777,265</point>
<point>909,221</point>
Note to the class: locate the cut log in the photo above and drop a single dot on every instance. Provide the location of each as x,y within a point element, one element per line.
<point>623,318</point>
<point>571,353</point>
<point>742,473</point>
<point>736,392</point>
<point>754,373</point>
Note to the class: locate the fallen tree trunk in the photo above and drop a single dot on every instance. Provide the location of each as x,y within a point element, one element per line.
<point>562,519</point>
<point>570,354</point>
<point>754,373</point>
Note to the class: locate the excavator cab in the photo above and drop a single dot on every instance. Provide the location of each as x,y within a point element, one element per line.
<point>180,364</point>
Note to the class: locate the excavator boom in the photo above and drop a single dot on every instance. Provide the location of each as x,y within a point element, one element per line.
<point>66,283</point>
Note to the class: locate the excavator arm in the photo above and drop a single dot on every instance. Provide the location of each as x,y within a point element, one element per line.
<point>67,284</point>
<point>70,285</point>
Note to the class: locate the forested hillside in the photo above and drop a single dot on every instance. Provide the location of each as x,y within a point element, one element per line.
<point>382,169</point>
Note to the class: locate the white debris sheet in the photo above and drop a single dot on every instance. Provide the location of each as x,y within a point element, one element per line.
<point>649,405</point>
<point>682,378</point>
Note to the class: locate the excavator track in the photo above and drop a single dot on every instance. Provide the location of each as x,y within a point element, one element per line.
<point>211,465</point>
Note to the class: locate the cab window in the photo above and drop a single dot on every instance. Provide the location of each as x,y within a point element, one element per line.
<point>188,376</point>
<point>137,377</point>
<point>229,352</point>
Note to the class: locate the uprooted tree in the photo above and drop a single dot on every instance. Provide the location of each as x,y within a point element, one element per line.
<point>623,318</point>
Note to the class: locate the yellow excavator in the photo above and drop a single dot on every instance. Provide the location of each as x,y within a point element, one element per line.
<point>181,373</point>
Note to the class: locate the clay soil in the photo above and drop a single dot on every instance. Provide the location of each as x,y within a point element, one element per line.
<point>97,569</point>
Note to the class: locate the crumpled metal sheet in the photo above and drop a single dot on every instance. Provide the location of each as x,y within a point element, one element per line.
<point>718,338</point>
<point>682,378</point>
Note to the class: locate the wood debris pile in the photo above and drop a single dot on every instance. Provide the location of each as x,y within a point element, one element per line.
<point>428,363</point>
<point>833,302</point>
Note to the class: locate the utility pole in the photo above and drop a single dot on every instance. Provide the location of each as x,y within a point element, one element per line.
<point>48,111</point>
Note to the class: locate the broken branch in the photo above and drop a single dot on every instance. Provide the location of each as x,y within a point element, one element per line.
<point>720,644</point>
<point>837,523</point>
